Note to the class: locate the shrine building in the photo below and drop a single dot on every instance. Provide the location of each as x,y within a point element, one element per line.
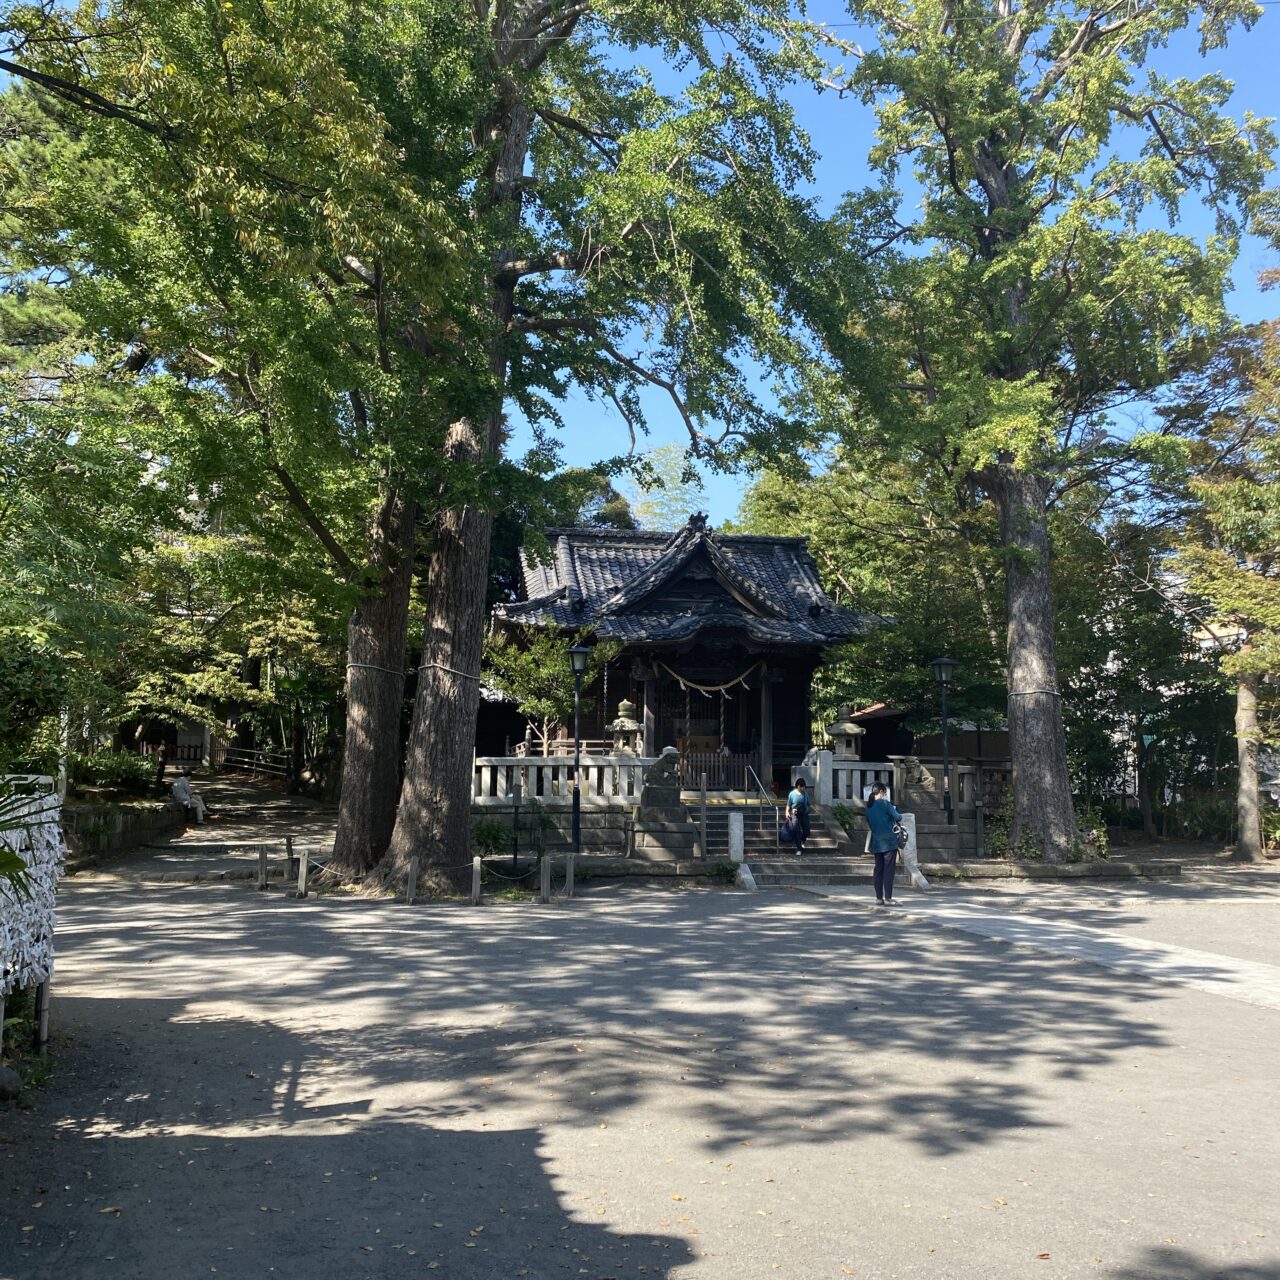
<point>721,635</point>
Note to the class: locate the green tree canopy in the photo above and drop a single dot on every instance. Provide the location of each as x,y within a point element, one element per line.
<point>1032,293</point>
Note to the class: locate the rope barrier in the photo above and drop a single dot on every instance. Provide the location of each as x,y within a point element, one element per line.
<point>372,666</point>
<point>453,671</point>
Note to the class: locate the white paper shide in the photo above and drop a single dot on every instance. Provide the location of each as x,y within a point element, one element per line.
<point>30,826</point>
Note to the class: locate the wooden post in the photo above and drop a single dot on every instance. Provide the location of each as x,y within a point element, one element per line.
<point>262,866</point>
<point>979,813</point>
<point>568,875</point>
<point>411,887</point>
<point>291,871</point>
<point>703,836</point>
<point>42,1017</point>
<point>766,731</point>
<point>303,863</point>
<point>475,881</point>
<point>650,716</point>
<point>544,891</point>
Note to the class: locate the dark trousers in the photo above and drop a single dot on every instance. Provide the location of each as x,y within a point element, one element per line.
<point>886,868</point>
<point>801,824</point>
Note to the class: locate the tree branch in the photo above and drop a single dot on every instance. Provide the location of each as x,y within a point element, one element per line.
<point>88,99</point>
<point>295,495</point>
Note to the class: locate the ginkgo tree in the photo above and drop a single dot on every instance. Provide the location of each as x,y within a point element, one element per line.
<point>1228,558</point>
<point>639,242</point>
<point>251,209</point>
<point>1044,279</point>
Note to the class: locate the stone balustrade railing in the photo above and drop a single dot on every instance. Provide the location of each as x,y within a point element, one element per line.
<point>851,779</point>
<point>606,780</point>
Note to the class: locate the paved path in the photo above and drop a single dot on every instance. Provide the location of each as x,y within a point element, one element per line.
<point>691,1085</point>
<point>1252,981</point>
<point>244,817</point>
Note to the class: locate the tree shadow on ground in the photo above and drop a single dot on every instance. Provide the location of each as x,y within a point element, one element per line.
<point>775,1021</point>
<point>1182,1264</point>
<point>225,1171</point>
<point>338,1060</point>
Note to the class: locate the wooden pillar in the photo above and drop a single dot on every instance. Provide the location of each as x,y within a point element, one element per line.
<point>766,730</point>
<point>650,715</point>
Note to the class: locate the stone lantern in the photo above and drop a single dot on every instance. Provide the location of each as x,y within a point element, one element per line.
<point>626,729</point>
<point>844,735</point>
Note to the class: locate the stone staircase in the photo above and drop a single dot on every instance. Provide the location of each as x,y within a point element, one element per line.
<point>792,872</point>
<point>760,835</point>
<point>833,856</point>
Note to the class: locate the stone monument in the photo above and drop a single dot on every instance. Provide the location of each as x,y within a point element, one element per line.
<point>663,830</point>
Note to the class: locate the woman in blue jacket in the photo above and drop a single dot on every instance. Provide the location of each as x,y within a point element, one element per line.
<point>882,817</point>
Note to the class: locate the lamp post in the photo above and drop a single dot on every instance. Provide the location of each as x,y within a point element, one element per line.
<point>943,669</point>
<point>578,655</point>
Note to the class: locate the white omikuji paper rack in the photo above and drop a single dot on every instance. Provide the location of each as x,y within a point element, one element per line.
<point>32,828</point>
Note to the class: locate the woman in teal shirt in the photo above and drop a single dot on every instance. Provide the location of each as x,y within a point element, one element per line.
<point>798,812</point>
<point>882,817</point>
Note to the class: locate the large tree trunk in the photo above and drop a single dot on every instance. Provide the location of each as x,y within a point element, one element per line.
<point>377,635</point>
<point>434,820</point>
<point>1042,804</point>
<point>1248,818</point>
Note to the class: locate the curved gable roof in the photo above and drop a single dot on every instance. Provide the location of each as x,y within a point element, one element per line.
<point>614,580</point>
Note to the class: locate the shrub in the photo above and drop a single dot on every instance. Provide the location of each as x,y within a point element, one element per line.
<point>119,770</point>
<point>1271,826</point>
<point>997,835</point>
<point>489,837</point>
<point>1093,841</point>
<point>1207,817</point>
<point>845,816</point>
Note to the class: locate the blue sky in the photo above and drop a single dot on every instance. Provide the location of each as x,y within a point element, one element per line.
<point>842,133</point>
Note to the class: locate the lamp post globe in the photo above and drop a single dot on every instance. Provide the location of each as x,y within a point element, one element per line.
<point>578,656</point>
<point>943,670</point>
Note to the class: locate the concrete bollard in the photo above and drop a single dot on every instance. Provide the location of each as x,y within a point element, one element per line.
<point>262,867</point>
<point>568,874</point>
<point>303,863</point>
<point>544,890</point>
<point>411,886</point>
<point>909,854</point>
<point>737,841</point>
<point>476,866</point>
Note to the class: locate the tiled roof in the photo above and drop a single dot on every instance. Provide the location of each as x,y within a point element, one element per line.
<point>613,580</point>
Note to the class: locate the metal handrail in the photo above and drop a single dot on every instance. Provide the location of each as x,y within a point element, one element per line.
<point>751,775</point>
<point>273,762</point>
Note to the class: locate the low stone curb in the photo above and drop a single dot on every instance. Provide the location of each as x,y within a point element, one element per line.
<point>591,867</point>
<point>180,877</point>
<point>1155,868</point>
